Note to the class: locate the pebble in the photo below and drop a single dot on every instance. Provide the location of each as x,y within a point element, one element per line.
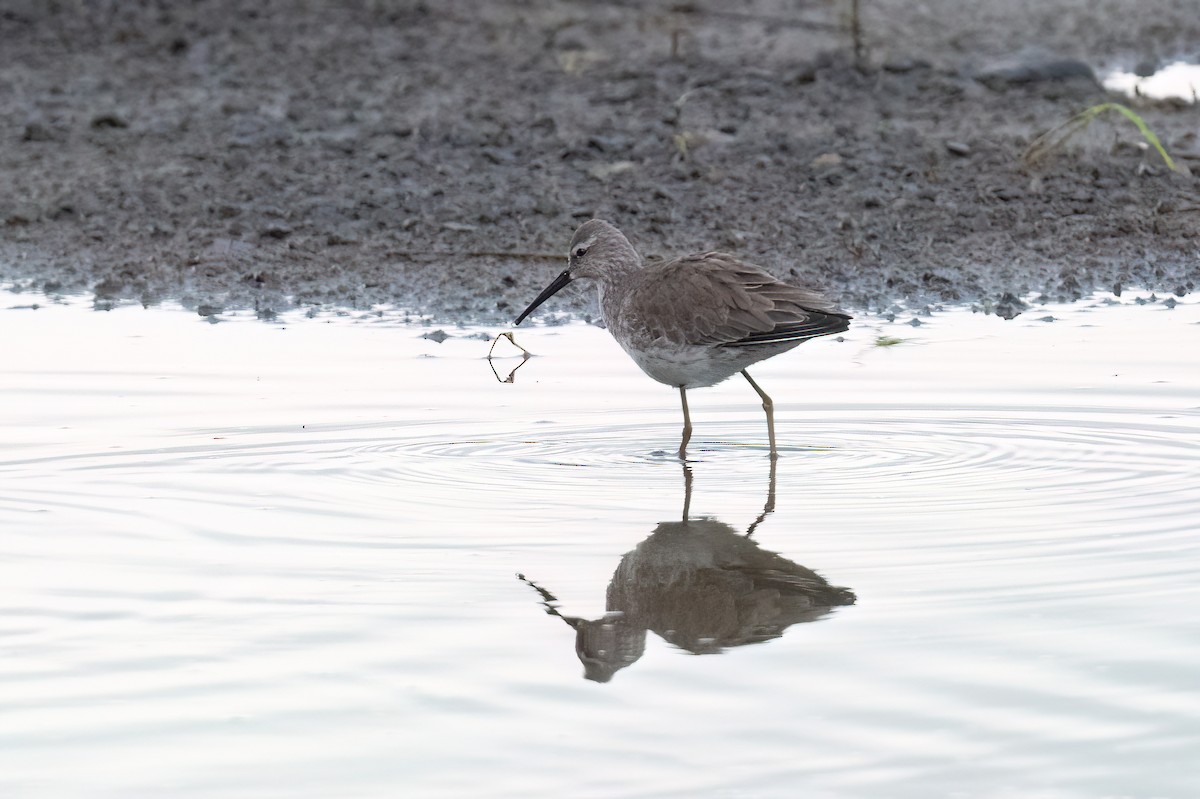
<point>1014,73</point>
<point>606,171</point>
<point>36,131</point>
<point>109,120</point>
<point>1010,306</point>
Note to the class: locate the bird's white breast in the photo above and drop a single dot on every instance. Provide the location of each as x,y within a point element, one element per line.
<point>685,365</point>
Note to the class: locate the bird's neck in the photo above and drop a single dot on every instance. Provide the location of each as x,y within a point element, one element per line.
<point>615,285</point>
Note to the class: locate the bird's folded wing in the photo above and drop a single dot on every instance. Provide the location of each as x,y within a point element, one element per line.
<point>713,298</point>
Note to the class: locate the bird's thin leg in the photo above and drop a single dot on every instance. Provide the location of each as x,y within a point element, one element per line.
<point>687,425</point>
<point>768,508</point>
<point>769,407</point>
<point>687,492</point>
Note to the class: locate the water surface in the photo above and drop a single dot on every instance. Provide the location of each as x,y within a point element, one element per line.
<point>258,559</point>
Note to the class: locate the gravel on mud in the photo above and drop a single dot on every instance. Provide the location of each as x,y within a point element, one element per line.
<point>436,156</point>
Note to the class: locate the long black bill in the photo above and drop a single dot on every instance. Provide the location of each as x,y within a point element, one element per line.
<point>546,294</point>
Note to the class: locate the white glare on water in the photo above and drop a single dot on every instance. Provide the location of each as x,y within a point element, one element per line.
<point>1180,81</point>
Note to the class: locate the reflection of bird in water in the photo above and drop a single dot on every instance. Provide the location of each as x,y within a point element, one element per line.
<point>701,586</point>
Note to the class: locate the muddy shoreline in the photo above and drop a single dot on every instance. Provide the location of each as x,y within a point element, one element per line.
<point>437,156</point>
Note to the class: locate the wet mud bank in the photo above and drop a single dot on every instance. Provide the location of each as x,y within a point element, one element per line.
<point>437,156</point>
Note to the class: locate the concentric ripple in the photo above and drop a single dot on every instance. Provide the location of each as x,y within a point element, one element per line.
<point>1064,449</point>
<point>905,456</point>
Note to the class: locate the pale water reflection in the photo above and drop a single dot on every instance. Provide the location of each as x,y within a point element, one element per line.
<point>261,560</point>
<point>700,585</point>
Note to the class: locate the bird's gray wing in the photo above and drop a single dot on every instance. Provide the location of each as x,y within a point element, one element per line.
<point>714,298</point>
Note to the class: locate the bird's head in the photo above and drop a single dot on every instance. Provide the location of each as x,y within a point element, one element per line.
<point>598,250</point>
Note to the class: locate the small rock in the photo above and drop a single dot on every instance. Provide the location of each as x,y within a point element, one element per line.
<point>901,65</point>
<point>438,335</point>
<point>36,131</point>
<point>459,227</point>
<point>606,171</point>
<point>109,120</point>
<point>801,75</point>
<point>1017,72</point>
<point>1010,306</point>
<point>826,160</point>
<point>499,155</point>
<point>609,144</point>
<point>958,147</point>
<point>1145,67</point>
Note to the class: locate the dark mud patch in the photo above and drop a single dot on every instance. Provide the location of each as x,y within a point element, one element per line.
<point>437,156</point>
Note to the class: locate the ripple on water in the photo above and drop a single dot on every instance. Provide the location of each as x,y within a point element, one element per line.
<point>1071,452</point>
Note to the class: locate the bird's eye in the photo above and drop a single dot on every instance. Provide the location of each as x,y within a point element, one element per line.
<point>580,252</point>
